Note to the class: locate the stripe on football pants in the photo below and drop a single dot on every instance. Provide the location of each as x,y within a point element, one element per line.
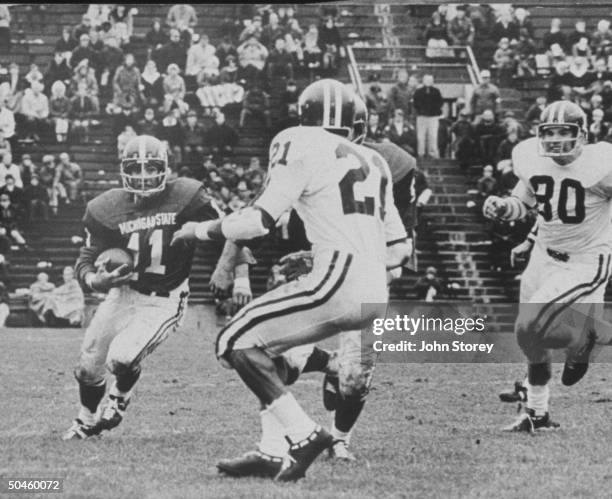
<point>326,105</point>
<point>330,283</point>
<point>338,106</point>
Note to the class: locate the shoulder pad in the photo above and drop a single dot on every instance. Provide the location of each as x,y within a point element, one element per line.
<point>104,206</point>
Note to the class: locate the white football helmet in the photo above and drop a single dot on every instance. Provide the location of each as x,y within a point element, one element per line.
<point>562,131</point>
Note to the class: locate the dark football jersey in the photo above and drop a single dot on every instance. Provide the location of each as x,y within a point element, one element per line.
<point>145,228</point>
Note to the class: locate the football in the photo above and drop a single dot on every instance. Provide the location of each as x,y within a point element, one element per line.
<point>116,257</point>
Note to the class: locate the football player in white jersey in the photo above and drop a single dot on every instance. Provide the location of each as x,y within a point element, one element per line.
<point>563,285</point>
<point>342,191</point>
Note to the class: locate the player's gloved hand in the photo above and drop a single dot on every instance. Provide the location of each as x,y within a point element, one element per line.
<point>494,207</point>
<point>241,294</point>
<point>221,282</point>
<point>520,253</point>
<point>103,280</point>
<point>295,264</point>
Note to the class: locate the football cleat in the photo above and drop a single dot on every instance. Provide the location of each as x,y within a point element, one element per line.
<point>528,422</point>
<point>253,463</point>
<point>577,363</point>
<point>113,413</point>
<point>331,391</point>
<point>80,431</point>
<point>303,454</point>
<point>518,395</point>
<point>339,450</point>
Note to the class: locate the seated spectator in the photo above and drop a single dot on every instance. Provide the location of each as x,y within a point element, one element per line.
<point>429,286</point>
<point>523,22</point>
<point>252,28</point>
<point>96,42</point>
<point>436,37</point>
<point>487,185</point>
<point>110,58</point>
<point>172,133</point>
<point>294,37</point>
<point>122,23</point>
<point>83,73</point>
<point>14,88</point>
<point>9,215</point>
<point>463,144</point>
<point>66,44</point>
<point>70,176</point>
<point>14,193</point>
<point>271,31</point>
<point>578,33</point>
<point>504,150</point>
<point>65,305</point>
<point>330,43</point>
<point>555,36</point>
<point>598,129</point>
<point>5,145</point>
<point>200,58</point>
<point>525,52</point>
<point>535,111</point>
<point>485,95</point>
<point>505,27</point>
<point>152,85</point>
<point>36,200</point>
<point>7,120</point>
<point>560,82</point>
<point>280,61</point>
<point>504,60</point>
<point>252,57</point>
<point>312,53</point>
<point>126,85</point>
<point>193,139</point>
<point>229,72</point>
<point>58,70</point>
<point>256,103</point>
<point>225,49</point>
<point>460,29</point>
<point>59,110</point>
<point>183,18</point>
<point>289,99</point>
<point>581,48</point>
<point>40,290</point>
<point>83,28</point>
<point>34,75</point>
<point>27,169</point>
<point>602,38</point>
<point>50,181</point>
<point>123,138</point>
<point>7,167</point>
<point>174,90</point>
<point>222,138</point>
<point>98,14</point>
<point>83,51</point>
<point>172,52</point>
<point>579,70</point>
<point>374,130</point>
<point>402,133</point>
<point>488,135</point>
<point>83,109</point>
<point>35,111</point>
<point>148,125</point>
<point>155,37</point>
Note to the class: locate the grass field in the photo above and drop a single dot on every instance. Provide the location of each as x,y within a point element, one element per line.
<point>427,431</point>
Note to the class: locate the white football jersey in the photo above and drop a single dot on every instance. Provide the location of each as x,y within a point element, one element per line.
<point>573,201</point>
<point>342,191</point>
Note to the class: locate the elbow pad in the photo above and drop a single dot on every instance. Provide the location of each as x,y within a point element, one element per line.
<point>248,223</point>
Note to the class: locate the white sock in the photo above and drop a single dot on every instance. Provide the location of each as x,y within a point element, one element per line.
<point>296,423</point>
<point>537,398</point>
<point>115,392</point>
<point>87,416</point>
<point>341,435</point>
<point>273,441</point>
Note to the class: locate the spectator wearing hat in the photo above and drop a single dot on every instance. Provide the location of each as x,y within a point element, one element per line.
<point>460,29</point>
<point>172,52</point>
<point>222,138</point>
<point>485,95</point>
<point>35,111</point>
<point>428,107</point>
<point>402,133</point>
<point>174,90</point>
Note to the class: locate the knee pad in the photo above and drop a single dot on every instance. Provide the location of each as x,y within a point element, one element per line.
<point>86,377</point>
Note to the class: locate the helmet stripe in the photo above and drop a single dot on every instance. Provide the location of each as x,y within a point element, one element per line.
<point>142,148</point>
<point>338,113</point>
<point>326,105</point>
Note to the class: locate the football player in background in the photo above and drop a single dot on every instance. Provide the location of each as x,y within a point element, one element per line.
<point>342,192</point>
<point>143,306</point>
<point>563,285</point>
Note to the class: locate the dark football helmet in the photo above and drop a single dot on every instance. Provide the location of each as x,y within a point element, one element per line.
<point>329,104</point>
<point>562,130</point>
<point>144,165</point>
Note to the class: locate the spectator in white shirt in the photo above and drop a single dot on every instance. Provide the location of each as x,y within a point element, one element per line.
<point>199,56</point>
<point>35,109</point>
<point>7,167</point>
<point>7,120</point>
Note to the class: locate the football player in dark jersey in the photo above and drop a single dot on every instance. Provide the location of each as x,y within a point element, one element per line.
<point>143,306</point>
